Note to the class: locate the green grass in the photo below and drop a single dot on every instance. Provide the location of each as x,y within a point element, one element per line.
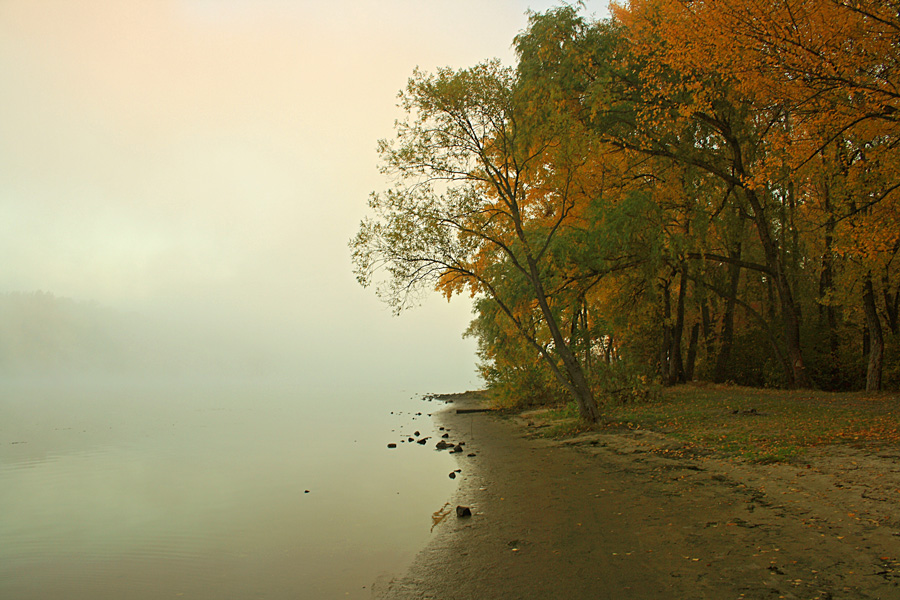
<point>562,422</point>
<point>760,425</point>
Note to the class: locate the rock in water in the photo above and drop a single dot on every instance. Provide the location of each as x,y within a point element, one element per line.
<point>441,445</point>
<point>463,511</point>
<point>392,445</point>
<point>422,441</point>
<point>452,475</point>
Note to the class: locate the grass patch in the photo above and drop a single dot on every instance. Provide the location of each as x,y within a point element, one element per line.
<point>762,425</point>
<point>558,422</point>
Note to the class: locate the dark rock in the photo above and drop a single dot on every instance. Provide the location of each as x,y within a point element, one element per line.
<point>452,475</point>
<point>441,445</point>
<point>457,448</point>
<point>305,491</point>
<point>417,434</point>
<point>411,439</point>
<point>463,511</point>
<point>446,435</point>
<point>392,445</point>
<point>422,441</point>
<point>441,428</point>
<point>471,454</point>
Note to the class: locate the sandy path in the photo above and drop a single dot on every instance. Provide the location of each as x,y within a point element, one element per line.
<point>622,516</point>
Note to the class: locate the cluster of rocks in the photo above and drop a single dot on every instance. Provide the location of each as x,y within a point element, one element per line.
<point>415,437</point>
<point>454,448</point>
<point>443,444</point>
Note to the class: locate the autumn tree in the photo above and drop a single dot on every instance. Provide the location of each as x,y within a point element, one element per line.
<point>829,70</point>
<point>475,207</point>
<point>724,205</point>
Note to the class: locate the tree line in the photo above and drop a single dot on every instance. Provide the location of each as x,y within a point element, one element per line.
<point>686,190</point>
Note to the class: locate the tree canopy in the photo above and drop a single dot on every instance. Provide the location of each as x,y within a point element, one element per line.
<point>636,200</point>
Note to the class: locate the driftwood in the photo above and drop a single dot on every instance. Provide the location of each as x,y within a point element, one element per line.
<point>463,411</point>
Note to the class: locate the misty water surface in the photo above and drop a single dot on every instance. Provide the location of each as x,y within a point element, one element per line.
<point>151,490</point>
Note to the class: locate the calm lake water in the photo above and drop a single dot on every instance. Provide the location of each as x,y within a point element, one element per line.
<point>200,491</point>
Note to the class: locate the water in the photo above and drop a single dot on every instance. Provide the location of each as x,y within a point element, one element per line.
<point>210,491</point>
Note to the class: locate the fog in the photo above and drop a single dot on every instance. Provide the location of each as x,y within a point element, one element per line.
<point>196,397</point>
<point>180,178</point>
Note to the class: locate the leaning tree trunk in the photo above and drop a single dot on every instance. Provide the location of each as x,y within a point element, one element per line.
<point>876,339</point>
<point>574,380</point>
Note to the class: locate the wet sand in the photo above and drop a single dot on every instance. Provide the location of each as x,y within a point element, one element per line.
<point>630,515</point>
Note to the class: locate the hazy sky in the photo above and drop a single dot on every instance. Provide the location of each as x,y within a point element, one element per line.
<point>211,159</point>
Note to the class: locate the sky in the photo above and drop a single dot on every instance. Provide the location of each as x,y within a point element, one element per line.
<point>207,162</point>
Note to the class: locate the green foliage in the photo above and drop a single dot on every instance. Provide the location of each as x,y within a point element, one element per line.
<point>633,206</point>
<point>621,383</point>
<point>522,388</point>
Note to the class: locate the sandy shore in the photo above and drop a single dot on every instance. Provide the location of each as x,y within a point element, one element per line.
<point>628,515</point>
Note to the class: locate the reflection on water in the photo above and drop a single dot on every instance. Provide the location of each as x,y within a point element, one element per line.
<point>204,492</point>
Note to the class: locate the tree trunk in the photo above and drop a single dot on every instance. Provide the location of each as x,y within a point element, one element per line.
<point>876,339</point>
<point>608,349</point>
<point>665,350</point>
<point>827,312</point>
<point>709,337</point>
<point>586,338</point>
<point>727,337</point>
<point>891,306</point>
<point>574,379</point>
<point>676,365</point>
<point>790,312</point>
<point>692,353</point>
